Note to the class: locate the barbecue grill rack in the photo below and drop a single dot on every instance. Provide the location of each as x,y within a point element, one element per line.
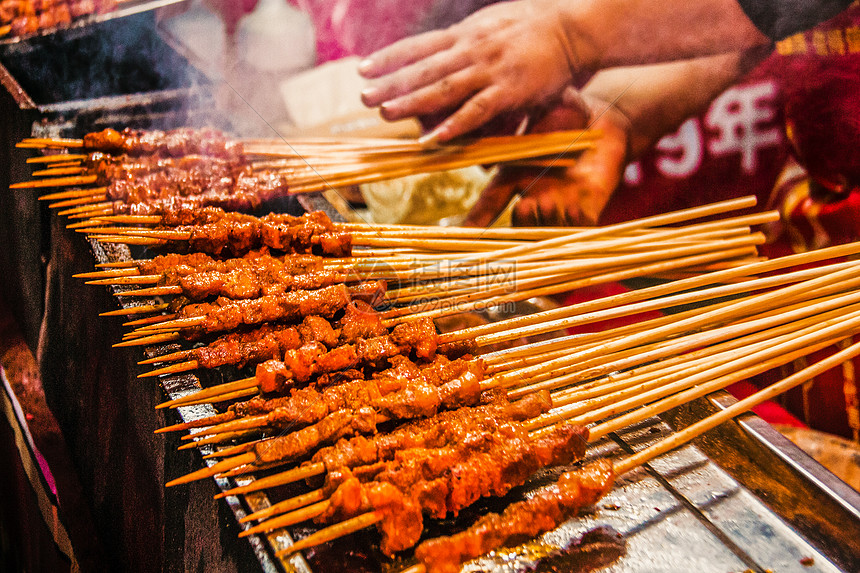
<point>742,499</point>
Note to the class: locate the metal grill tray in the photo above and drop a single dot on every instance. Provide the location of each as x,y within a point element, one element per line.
<point>741,498</point>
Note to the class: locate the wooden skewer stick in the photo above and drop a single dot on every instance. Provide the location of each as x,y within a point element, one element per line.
<point>57,171</point>
<point>56,182</point>
<point>127,280</point>
<point>142,309</point>
<point>334,532</point>
<point>290,518</point>
<point>231,451</point>
<point>282,507</point>
<point>172,369</point>
<point>219,439</point>
<point>147,340</point>
<point>57,158</point>
<point>215,469</point>
<point>178,323</point>
<point>296,474</point>
<point>223,397</point>
<point>148,320</point>
<point>82,224</point>
<point>211,420</point>
<point>86,211</point>
<point>225,388</point>
<point>100,208</point>
<point>111,273</point>
<point>131,219</point>
<point>119,239</point>
<point>172,357</point>
<point>154,291</point>
<point>53,142</point>
<point>74,194</point>
<point>92,200</point>
<point>119,265</point>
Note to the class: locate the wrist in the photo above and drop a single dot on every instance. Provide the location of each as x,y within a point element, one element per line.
<point>575,23</point>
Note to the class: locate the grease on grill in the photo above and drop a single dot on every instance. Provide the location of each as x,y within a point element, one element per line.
<point>595,549</point>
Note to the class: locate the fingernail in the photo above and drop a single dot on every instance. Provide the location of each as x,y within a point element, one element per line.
<point>365,66</point>
<point>429,139</point>
<point>369,95</point>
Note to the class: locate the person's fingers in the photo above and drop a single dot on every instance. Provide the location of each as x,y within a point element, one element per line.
<point>526,213</point>
<point>493,201</point>
<point>443,94</point>
<point>475,112</point>
<point>437,68</point>
<point>405,52</point>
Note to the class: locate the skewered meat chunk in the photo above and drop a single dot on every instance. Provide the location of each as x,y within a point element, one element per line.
<point>257,345</point>
<point>418,334</point>
<point>386,396</point>
<point>300,364</point>
<point>360,321</point>
<point>173,143</point>
<point>226,314</point>
<point>330,429</point>
<point>175,265</point>
<point>444,428</point>
<point>520,521</point>
<point>237,235</point>
<point>245,190</point>
<point>491,464</point>
<point>249,282</point>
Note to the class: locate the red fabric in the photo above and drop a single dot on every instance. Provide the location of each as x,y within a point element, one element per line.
<point>770,411</point>
<point>349,28</point>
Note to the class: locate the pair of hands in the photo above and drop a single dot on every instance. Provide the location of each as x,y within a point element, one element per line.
<point>501,60</point>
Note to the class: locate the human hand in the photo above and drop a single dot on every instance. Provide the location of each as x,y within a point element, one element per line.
<point>562,196</point>
<point>505,57</point>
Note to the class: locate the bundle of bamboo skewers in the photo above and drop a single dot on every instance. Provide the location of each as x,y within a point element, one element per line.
<point>753,316</point>
<point>259,170</point>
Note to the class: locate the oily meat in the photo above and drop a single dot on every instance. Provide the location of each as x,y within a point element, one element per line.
<point>492,465</point>
<point>520,521</point>
<point>226,314</point>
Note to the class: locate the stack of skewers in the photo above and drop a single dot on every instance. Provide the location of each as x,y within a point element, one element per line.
<point>389,421</point>
<point>150,173</point>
